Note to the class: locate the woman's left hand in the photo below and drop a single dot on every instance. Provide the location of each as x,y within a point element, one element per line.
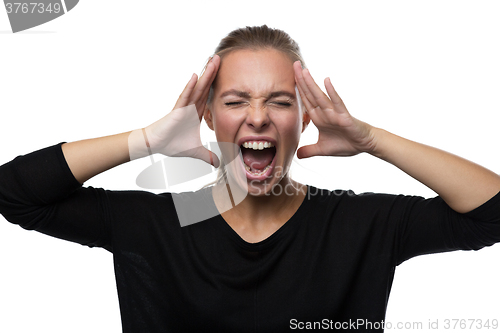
<point>340,134</point>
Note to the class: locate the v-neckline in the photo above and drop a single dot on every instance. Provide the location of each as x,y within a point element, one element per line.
<point>272,238</point>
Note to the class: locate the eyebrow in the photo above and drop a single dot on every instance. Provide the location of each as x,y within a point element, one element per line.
<point>245,94</point>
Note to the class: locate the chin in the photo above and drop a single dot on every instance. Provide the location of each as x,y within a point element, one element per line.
<point>273,186</point>
<point>259,190</point>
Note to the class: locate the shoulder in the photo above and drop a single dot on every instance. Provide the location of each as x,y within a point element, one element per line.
<point>364,204</point>
<point>188,207</point>
<point>322,195</point>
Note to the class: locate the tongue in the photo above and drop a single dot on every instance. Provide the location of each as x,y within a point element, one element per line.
<point>257,160</point>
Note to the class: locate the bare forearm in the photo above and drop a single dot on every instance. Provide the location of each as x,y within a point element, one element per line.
<point>464,185</point>
<point>88,158</point>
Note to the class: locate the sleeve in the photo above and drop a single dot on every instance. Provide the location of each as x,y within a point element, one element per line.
<point>430,225</point>
<point>39,192</point>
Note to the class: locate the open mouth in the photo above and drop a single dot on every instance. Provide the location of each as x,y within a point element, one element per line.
<point>258,159</point>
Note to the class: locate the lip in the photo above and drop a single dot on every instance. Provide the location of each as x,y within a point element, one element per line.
<point>256,138</point>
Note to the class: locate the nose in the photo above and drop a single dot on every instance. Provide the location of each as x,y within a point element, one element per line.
<point>258,116</point>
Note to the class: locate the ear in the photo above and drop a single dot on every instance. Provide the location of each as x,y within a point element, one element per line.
<point>305,121</point>
<point>207,114</point>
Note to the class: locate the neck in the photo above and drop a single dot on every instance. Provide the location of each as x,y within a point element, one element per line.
<point>278,205</point>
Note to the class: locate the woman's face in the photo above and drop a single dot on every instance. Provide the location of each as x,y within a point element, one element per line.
<point>255,102</point>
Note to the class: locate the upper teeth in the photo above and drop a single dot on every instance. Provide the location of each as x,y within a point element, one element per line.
<point>257,145</point>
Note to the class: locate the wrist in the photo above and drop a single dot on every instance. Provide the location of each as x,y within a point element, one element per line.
<point>379,138</point>
<point>138,144</point>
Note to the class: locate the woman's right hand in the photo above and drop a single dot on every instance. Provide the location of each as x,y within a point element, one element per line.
<point>178,133</point>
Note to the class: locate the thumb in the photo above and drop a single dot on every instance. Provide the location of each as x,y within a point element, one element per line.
<point>308,151</point>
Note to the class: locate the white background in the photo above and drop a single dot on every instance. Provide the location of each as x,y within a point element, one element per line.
<point>425,70</point>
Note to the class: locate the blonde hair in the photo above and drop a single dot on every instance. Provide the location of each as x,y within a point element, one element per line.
<point>253,38</point>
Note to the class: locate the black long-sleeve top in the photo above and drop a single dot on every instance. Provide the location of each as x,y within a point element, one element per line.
<point>330,265</point>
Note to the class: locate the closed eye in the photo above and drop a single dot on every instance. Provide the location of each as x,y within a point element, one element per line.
<point>285,104</point>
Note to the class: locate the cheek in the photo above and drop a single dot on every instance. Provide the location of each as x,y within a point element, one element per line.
<point>289,125</point>
<point>225,126</point>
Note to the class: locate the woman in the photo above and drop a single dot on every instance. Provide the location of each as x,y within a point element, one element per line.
<point>285,255</point>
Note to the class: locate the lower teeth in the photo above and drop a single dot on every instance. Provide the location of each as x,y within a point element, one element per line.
<point>260,173</point>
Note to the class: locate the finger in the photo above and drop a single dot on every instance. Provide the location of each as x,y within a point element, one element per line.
<point>318,95</point>
<point>184,97</point>
<point>314,105</point>
<point>202,102</point>
<point>304,90</point>
<point>206,79</point>
<point>200,106</point>
<point>204,97</point>
<point>309,151</point>
<point>306,102</point>
<point>202,83</point>
<point>316,117</point>
<point>333,95</point>
<point>216,63</point>
<point>297,67</point>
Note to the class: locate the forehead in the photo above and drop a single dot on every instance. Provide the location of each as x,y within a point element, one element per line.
<point>256,72</point>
